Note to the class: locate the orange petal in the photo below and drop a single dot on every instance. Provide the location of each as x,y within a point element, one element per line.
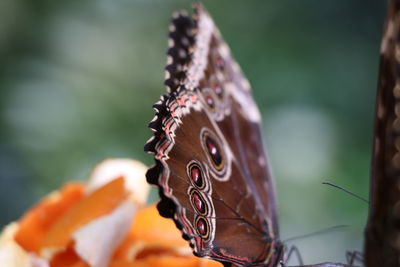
<point>36,222</point>
<point>148,230</point>
<point>100,202</point>
<point>68,258</point>
<point>150,226</point>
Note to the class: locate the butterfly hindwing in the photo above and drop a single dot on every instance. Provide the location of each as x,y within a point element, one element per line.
<point>215,180</point>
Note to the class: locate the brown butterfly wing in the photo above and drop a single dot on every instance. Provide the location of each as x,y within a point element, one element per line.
<point>382,236</point>
<point>210,166</point>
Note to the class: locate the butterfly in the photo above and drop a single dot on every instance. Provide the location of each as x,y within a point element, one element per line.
<point>382,234</point>
<point>213,176</point>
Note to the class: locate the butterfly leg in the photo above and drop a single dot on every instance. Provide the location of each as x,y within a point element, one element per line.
<point>353,257</point>
<point>293,250</point>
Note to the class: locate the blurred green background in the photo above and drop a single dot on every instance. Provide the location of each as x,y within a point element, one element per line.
<point>78,78</point>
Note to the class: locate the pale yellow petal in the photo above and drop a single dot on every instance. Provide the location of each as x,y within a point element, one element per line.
<point>96,242</point>
<point>133,172</point>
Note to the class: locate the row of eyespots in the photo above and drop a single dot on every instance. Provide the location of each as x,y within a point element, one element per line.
<point>196,176</point>
<point>213,152</point>
<point>217,87</point>
<point>212,91</point>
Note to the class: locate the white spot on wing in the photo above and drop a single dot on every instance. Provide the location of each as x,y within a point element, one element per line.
<point>171,43</point>
<point>169,60</point>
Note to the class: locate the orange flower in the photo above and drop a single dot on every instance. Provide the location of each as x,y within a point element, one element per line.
<point>104,223</point>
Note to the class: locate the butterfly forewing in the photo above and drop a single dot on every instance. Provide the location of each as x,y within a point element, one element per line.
<point>382,245</point>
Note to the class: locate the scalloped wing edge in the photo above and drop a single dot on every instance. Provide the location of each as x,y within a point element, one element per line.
<point>168,117</point>
<point>181,45</point>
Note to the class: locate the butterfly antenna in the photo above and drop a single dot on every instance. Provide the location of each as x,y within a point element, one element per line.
<point>347,191</point>
<point>322,231</point>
